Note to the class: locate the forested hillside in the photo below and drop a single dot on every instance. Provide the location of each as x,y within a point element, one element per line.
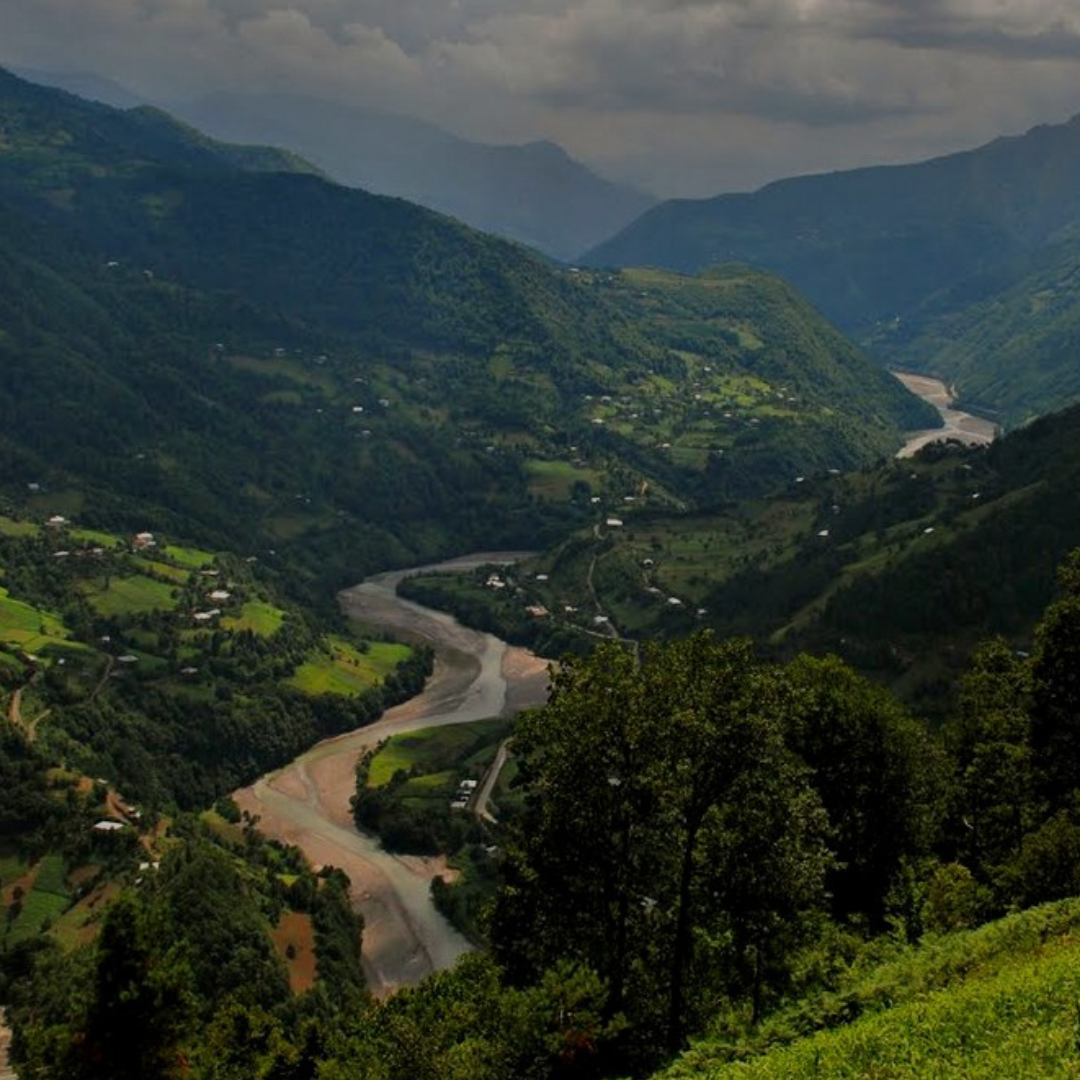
<point>229,385</point>
<point>534,193</point>
<point>901,569</point>
<point>958,266</point>
<point>277,362</point>
<point>710,843</point>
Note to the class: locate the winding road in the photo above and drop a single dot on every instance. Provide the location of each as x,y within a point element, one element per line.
<point>306,803</point>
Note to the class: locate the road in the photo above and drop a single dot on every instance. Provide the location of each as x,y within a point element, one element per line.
<point>476,676</point>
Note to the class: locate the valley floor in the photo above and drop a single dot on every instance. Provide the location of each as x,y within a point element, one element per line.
<point>961,426</point>
<point>307,803</point>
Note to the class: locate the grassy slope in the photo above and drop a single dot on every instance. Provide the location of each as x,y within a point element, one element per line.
<point>998,1001</point>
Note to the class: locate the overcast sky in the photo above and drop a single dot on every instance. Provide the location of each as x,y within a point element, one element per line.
<point>685,97</point>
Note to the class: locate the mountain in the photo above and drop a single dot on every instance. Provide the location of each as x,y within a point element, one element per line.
<point>278,361</point>
<point>896,255</point>
<point>533,193</point>
<point>84,84</point>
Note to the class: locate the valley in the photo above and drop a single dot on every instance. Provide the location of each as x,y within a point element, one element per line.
<point>958,425</point>
<point>307,803</point>
<point>814,711</point>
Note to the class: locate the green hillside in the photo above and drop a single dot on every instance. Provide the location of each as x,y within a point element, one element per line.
<point>902,569</point>
<point>958,265</point>
<point>176,674</point>
<point>1011,356</point>
<point>264,360</point>
<point>994,1002</point>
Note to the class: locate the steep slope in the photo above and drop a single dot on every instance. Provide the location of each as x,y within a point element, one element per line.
<point>908,258</point>
<point>1012,355</point>
<point>901,569</point>
<point>533,193</point>
<point>357,381</point>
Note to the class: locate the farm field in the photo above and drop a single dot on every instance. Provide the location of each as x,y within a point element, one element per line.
<point>344,669</point>
<point>438,752</point>
<point>29,628</point>
<point>134,595</point>
<point>257,616</point>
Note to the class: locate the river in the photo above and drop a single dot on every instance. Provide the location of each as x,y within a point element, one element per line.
<point>476,675</point>
<point>961,426</point>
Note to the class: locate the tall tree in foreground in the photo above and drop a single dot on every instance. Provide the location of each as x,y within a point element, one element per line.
<point>671,841</point>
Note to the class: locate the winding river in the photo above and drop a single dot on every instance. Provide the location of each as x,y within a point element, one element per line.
<point>306,803</point>
<point>476,676</point>
<point>961,426</point>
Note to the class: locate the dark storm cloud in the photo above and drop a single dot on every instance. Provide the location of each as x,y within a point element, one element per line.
<point>752,85</point>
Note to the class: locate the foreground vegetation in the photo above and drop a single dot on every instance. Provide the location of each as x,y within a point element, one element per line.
<point>775,863</point>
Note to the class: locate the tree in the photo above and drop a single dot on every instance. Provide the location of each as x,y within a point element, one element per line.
<point>879,776</point>
<point>141,1006</point>
<point>669,832</point>
<point>990,740</point>
<point>1055,670</point>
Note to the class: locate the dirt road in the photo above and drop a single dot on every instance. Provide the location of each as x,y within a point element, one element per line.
<point>307,803</point>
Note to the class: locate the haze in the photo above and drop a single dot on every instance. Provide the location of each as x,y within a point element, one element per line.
<point>682,97</point>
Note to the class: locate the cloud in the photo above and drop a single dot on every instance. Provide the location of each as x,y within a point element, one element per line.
<point>750,86</point>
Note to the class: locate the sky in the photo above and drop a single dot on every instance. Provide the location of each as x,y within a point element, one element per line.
<point>682,97</point>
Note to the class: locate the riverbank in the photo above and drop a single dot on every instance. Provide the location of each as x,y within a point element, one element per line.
<point>306,803</point>
<point>957,425</point>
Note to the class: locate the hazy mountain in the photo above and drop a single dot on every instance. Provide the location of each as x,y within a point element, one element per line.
<point>85,85</point>
<point>533,193</point>
<point>893,254</point>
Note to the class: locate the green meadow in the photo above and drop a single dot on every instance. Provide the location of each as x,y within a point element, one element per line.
<point>130,596</point>
<point>344,669</point>
<point>435,753</point>
<point>28,627</point>
<point>257,616</point>
<point>11,527</point>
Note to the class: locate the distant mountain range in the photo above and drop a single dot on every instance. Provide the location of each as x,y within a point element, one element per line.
<point>534,193</point>
<point>950,265</point>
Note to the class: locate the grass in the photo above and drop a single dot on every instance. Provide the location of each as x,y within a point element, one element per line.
<point>131,596</point>
<point>11,527</point>
<point>344,669</point>
<point>259,617</point>
<point>994,1002</point>
<point>555,479</point>
<point>163,570</point>
<point>12,866</point>
<point>96,537</point>
<point>29,627</point>
<point>189,558</point>
<point>44,903</point>
<point>431,752</point>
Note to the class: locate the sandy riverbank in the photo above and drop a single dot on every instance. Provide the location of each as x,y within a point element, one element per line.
<point>307,802</point>
<point>960,426</point>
